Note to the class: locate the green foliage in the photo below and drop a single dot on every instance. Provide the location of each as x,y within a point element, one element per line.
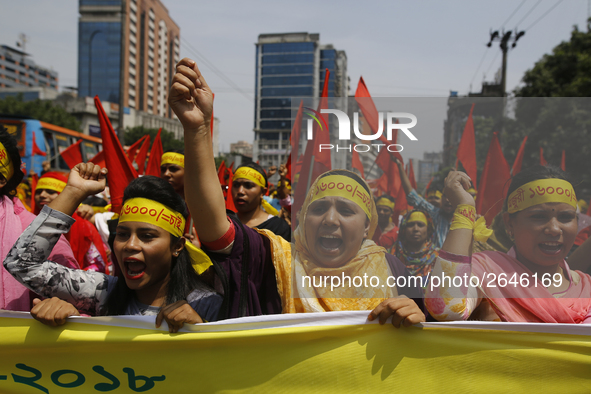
<point>43,110</point>
<point>168,141</point>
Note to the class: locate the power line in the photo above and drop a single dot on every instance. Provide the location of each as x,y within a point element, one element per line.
<point>478,68</point>
<point>511,16</point>
<point>215,70</point>
<point>529,12</point>
<point>542,17</point>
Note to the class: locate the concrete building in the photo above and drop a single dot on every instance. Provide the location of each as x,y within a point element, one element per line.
<point>242,148</point>
<point>151,49</point>
<point>431,163</point>
<point>18,70</point>
<point>290,65</point>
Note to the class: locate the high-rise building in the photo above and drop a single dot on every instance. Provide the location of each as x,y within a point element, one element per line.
<point>17,69</point>
<point>290,65</point>
<point>151,49</point>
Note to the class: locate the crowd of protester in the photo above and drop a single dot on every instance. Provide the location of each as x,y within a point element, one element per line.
<point>175,252</point>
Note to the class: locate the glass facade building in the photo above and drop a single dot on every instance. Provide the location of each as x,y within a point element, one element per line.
<point>288,65</point>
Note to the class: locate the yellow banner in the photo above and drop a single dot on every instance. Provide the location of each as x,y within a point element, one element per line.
<point>316,352</point>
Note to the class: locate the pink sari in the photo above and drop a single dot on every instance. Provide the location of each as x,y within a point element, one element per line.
<point>14,218</point>
<point>533,303</point>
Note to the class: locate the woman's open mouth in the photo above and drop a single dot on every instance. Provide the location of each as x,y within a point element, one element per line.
<point>134,269</point>
<point>330,243</point>
<point>551,248</point>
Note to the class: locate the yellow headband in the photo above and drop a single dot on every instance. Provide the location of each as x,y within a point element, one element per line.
<point>251,174</point>
<point>386,203</point>
<point>148,211</point>
<point>6,167</point>
<point>472,190</point>
<point>539,192</point>
<point>343,186</point>
<point>173,158</point>
<point>435,193</point>
<point>51,184</point>
<point>417,217</point>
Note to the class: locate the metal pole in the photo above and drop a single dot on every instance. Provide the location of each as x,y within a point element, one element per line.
<point>121,131</point>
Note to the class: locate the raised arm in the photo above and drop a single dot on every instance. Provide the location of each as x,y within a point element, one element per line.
<point>403,177</point>
<point>458,241</point>
<point>191,100</point>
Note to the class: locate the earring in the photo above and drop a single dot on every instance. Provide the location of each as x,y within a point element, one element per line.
<point>176,254</point>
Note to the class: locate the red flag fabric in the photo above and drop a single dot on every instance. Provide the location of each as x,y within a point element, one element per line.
<point>231,166</point>
<point>222,173</point>
<point>315,163</point>
<point>99,159</point>
<point>543,161</point>
<point>155,156</point>
<point>493,183</point>
<point>356,162</point>
<point>429,184</point>
<point>563,161</point>
<point>367,105</point>
<point>294,138</point>
<point>467,149</point>
<point>36,150</point>
<point>120,169</point>
<point>132,151</point>
<point>34,179</point>
<point>140,159</point>
<point>288,167</point>
<point>519,158</point>
<point>72,155</point>
<point>229,200</point>
<point>411,175</point>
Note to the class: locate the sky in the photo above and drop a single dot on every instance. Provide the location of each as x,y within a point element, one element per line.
<point>401,48</point>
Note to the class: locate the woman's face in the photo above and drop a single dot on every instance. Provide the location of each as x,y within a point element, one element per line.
<point>44,196</point>
<point>144,253</point>
<point>543,234</point>
<point>246,194</point>
<point>335,228</point>
<point>175,175</point>
<point>415,233</point>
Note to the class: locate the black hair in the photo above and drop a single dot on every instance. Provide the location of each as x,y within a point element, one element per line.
<point>257,168</point>
<point>183,278</point>
<point>349,174</point>
<point>531,174</point>
<point>95,201</point>
<point>11,148</point>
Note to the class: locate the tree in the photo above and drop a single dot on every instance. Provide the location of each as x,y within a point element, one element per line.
<point>554,123</point>
<point>168,141</point>
<point>43,110</point>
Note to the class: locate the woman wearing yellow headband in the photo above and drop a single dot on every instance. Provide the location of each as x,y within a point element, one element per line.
<point>530,283</point>
<point>172,170</point>
<point>386,232</point>
<point>415,244</point>
<point>14,218</point>
<point>249,186</point>
<point>158,275</point>
<point>334,230</point>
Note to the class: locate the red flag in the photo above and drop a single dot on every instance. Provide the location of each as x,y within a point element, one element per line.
<point>294,138</point>
<point>563,161</point>
<point>356,162</point>
<point>229,200</point>
<point>120,169</point>
<point>140,159</point>
<point>34,180</point>
<point>36,150</point>
<point>429,184</point>
<point>231,166</point>
<point>222,173</point>
<point>411,175</point>
<point>131,152</point>
<point>155,156</point>
<point>99,159</point>
<point>315,162</point>
<point>367,105</point>
<point>467,150</point>
<point>519,158</point>
<point>72,155</point>
<point>288,167</point>
<point>543,161</point>
<point>493,183</point>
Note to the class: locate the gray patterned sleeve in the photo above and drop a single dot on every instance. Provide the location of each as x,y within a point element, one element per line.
<point>27,262</point>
